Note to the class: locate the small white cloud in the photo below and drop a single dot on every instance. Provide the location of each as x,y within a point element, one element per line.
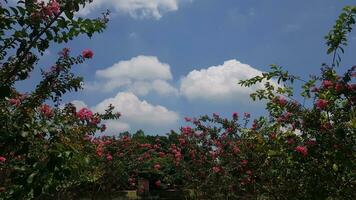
<point>219,83</point>
<point>114,127</point>
<point>79,104</point>
<point>139,113</point>
<point>140,68</point>
<point>138,9</point>
<point>140,75</point>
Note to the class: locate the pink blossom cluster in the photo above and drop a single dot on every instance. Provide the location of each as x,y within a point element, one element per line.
<point>52,8</point>
<point>302,150</point>
<point>87,53</point>
<point>46,111</point>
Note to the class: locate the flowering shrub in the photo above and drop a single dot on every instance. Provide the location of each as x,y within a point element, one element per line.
<point>298,152</point>
<point>46,151</point>
<point>42,147</point>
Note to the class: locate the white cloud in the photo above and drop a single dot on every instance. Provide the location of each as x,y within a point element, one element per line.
<point>138,113</point>
<point>161,87</point>
<point>135,8</point>
<point>140,75</point>
<point>219,83</point>
<point>140,68</point>
<point>114,127</point>
<point>79,104</point>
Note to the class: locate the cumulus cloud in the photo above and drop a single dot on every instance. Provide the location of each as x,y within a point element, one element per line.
<point>138,113</point>
<point>79,104</point>
<point>114,127</point>
<point>135,8</point>
<point>219,83</point>
<point>161,87</point>
<point>140,75</point>
<point>140,68</point>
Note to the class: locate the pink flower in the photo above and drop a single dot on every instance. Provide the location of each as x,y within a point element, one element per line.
<point>272,136</point>
<point>187,119</point>
<point>327,84</point>
<point>291,141</point>
<point>46,111</point>
<point>87,137</point>
<point>281,101</point>
<point>302,150</point>
<point>321,104</point>
<point>236,150</point>
<point>161,154</point>
<point>95,120</point>
<point>235,115</point>
<point>187,130</point>
<point>311,142</point>
<point>2,159</point>
<point>216,169</point>
<point>351,87</point>
<point>87,53</point>
<point>181,141</point>
<point>158,183</point>
<point>249,172</point>
<point>99,151</point>
<point>215,115</point>
<point>157,166</point>
<point>108,157</point>
<point>84,113</point>
<point>244,162</point>
<point>15,102</point>
<point>52,8</point>
<point>254,125</point>
<point>247,115</point>
<point>339,87</point>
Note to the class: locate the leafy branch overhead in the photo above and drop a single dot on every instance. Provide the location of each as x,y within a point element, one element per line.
<point>336,40</point>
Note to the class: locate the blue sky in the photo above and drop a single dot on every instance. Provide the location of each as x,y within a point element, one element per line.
<point>161,60</point>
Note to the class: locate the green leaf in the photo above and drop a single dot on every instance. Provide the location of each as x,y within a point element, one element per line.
<point>31,177</point>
